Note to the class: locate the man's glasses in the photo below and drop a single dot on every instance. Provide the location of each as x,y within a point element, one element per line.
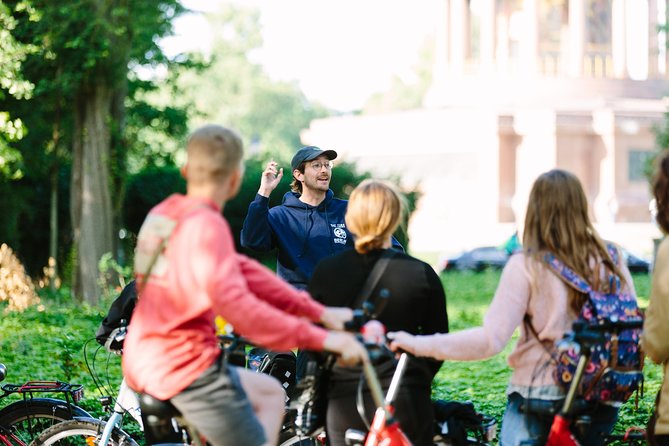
<point>318,165</point>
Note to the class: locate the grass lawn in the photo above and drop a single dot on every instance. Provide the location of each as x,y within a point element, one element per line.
<point>49,345</point>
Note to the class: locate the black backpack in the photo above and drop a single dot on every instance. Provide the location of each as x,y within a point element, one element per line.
<point>111,331</point>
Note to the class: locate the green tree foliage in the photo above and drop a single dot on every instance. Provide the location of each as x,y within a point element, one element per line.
<point>12,83</point>
<point>150,186</point>
<point>238,93</point>
<point>86,114</point>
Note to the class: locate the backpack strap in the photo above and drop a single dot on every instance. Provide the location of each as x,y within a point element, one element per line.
<point>163,245</point>
<point>566,274</point>
<point>613,252</point>
<point>572,279</point>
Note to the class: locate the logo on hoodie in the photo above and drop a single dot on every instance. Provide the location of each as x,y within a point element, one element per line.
<point>339,233</point>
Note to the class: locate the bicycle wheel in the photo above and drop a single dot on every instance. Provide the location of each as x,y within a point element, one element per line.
<point>26,419</point>
<point>81,432</point>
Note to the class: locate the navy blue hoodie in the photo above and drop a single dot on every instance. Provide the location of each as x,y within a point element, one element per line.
<point>303,234</point>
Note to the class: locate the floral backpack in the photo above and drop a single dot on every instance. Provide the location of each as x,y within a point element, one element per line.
<point>615,369</point>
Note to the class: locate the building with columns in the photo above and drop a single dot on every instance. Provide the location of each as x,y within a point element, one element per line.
<point>520,87</point>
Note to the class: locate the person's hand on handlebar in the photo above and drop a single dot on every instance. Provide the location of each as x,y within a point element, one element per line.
<point>348,348</point>
<point>401,340</point>
<point>335,317</point>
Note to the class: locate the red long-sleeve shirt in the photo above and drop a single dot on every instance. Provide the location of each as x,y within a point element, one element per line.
<point>171,339</point>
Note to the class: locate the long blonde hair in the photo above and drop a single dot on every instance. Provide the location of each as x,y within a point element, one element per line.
<point>557,221</point>
<point>375,209</point>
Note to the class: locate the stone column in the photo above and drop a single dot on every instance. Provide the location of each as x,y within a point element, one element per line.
<point>442,46</point>
<point>502,50</point>
<point>537,153</point>
<point>576,38</point>
<point>458,38</point>
<point>530,42</point>
<point>488,34</point>
<point>435,95</point>
<point>605,206</point>
<point>653,50</point>
<point>619,39</point>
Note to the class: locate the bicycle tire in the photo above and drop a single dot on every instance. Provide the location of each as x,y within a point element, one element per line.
<point>28,418</point>
<point>81,432</point>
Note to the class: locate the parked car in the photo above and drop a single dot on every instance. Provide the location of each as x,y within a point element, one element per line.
<point>635,264</point>
<point>477,259</point>
<point>494,257</point>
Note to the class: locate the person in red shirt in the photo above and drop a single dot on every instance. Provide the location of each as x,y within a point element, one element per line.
<point>188,272</point>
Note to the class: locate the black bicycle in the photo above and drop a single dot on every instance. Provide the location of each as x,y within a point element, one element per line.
<point>22,420</point>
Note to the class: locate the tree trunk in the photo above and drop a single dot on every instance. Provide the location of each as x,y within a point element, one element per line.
<point>90,204</point>
<point>53,217</point>
<point>53,227</point>
<point>119,154</point>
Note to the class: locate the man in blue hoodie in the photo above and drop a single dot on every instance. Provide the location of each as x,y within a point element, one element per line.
<point>307,226</point>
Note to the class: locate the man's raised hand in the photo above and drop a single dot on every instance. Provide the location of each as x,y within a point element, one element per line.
<point>270,179</point>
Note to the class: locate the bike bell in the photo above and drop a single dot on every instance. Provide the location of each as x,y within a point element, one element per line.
<point>373,332</point>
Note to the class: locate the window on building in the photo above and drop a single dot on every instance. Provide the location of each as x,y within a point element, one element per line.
<point>638,163</point>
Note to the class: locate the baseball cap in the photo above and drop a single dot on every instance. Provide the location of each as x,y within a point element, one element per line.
<point>309,153</point>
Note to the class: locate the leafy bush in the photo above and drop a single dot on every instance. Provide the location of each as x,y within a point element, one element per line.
<point>152,185</point>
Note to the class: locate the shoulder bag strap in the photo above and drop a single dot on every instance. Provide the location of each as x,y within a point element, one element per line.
<point>162,246</point>
<point>613,252</point>
<point>528,323</point>
<point>373,278</point>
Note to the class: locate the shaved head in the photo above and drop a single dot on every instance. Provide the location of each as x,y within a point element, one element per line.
<point>213,153</point>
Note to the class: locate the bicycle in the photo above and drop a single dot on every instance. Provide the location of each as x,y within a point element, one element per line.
<point>570,419</point>
<point>384,428</point>
<point>89,431</point>
<point>165,423</point>
<point>21,421</point>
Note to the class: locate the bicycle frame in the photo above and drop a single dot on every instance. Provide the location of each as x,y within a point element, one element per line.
<point>385,430</point>
<point>126,401</point>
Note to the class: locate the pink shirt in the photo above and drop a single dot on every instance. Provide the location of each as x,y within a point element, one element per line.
<point>171,338</point>
<point>526,286</point>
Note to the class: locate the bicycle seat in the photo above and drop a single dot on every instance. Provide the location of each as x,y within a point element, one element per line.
<point>157,416</point>
<point>160,408</point>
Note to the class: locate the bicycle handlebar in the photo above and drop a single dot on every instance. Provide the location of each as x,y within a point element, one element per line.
<point>588,335</point>
<point>608,326</point>
<point>232,341</point>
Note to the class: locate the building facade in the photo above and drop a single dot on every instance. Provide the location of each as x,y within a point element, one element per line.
<point>520,87</point>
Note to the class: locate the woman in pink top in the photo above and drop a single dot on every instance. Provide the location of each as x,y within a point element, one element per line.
<point>529,293</point>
